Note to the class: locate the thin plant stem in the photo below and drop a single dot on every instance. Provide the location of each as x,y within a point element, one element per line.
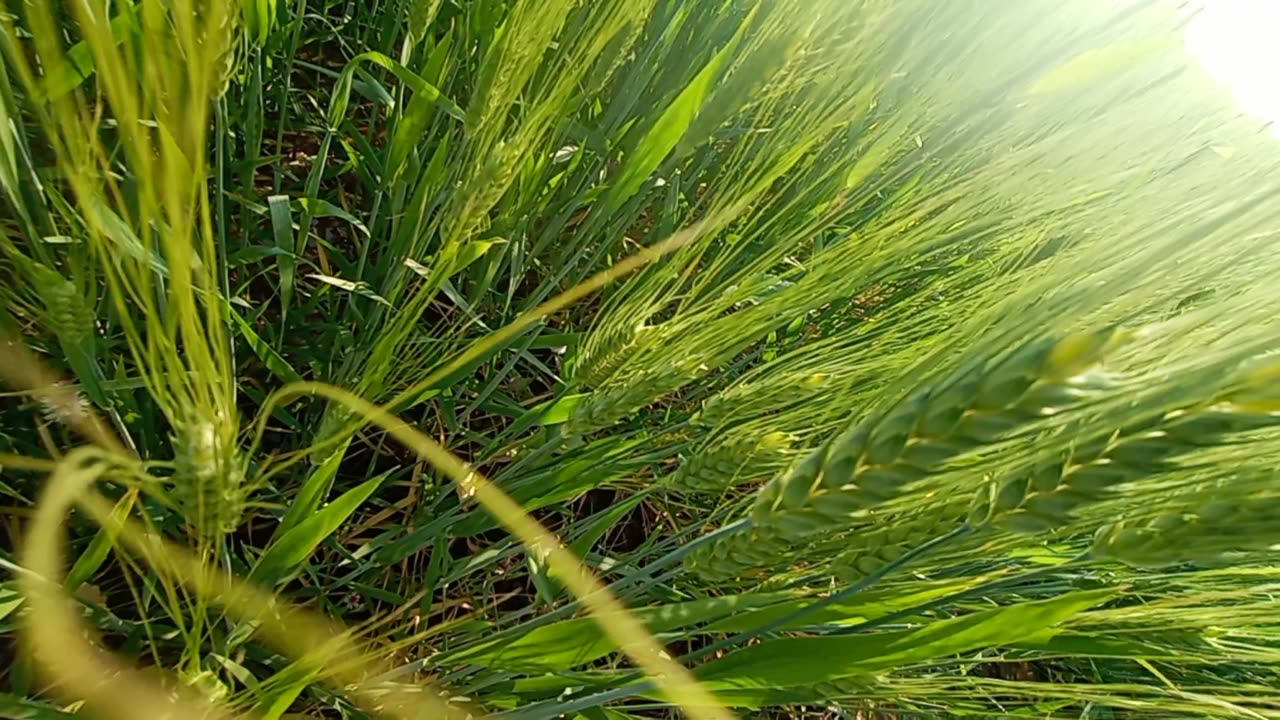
<point>553,709</point>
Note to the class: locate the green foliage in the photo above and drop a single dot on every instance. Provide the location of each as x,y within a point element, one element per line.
<point>911,358</point>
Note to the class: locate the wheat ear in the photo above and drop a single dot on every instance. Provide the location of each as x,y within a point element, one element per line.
<point>878,458</point>
<point>1205,534</point>
<point>713,470</point>
<point>1051,494</point>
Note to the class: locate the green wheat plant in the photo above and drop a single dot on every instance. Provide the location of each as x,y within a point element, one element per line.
<point>633,358</point>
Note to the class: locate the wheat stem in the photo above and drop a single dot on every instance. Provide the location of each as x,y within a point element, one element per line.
<point>630,689</point>
<point>618,624</point>
<point>857,587</point>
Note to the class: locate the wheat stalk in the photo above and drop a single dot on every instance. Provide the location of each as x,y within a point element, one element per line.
<point>714,469</point>
<point>209,476</point>
<point>736,554</point>
<point>750,397</point>
<point>1050,494</point>
<point>607,351</point>
<point>876,459</point>
<point>872,549</point>
<point>1206,533</point>
<point>68,313</point>
<point>616,401</point>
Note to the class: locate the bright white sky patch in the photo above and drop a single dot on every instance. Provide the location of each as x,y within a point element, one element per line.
<point>1238,42</point>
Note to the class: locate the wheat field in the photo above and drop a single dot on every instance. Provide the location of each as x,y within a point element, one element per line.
<point>534,359</point>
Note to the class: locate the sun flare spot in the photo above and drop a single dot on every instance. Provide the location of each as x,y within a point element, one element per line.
<point>1235,41</point>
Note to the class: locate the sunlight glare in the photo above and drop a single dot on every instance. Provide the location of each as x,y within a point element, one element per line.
<point>1238,42</point>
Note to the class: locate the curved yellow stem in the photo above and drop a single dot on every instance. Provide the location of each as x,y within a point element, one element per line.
<point>623,268</point>
<point>23,462</point>
<point>614,618</point>
<point>57,637</point>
